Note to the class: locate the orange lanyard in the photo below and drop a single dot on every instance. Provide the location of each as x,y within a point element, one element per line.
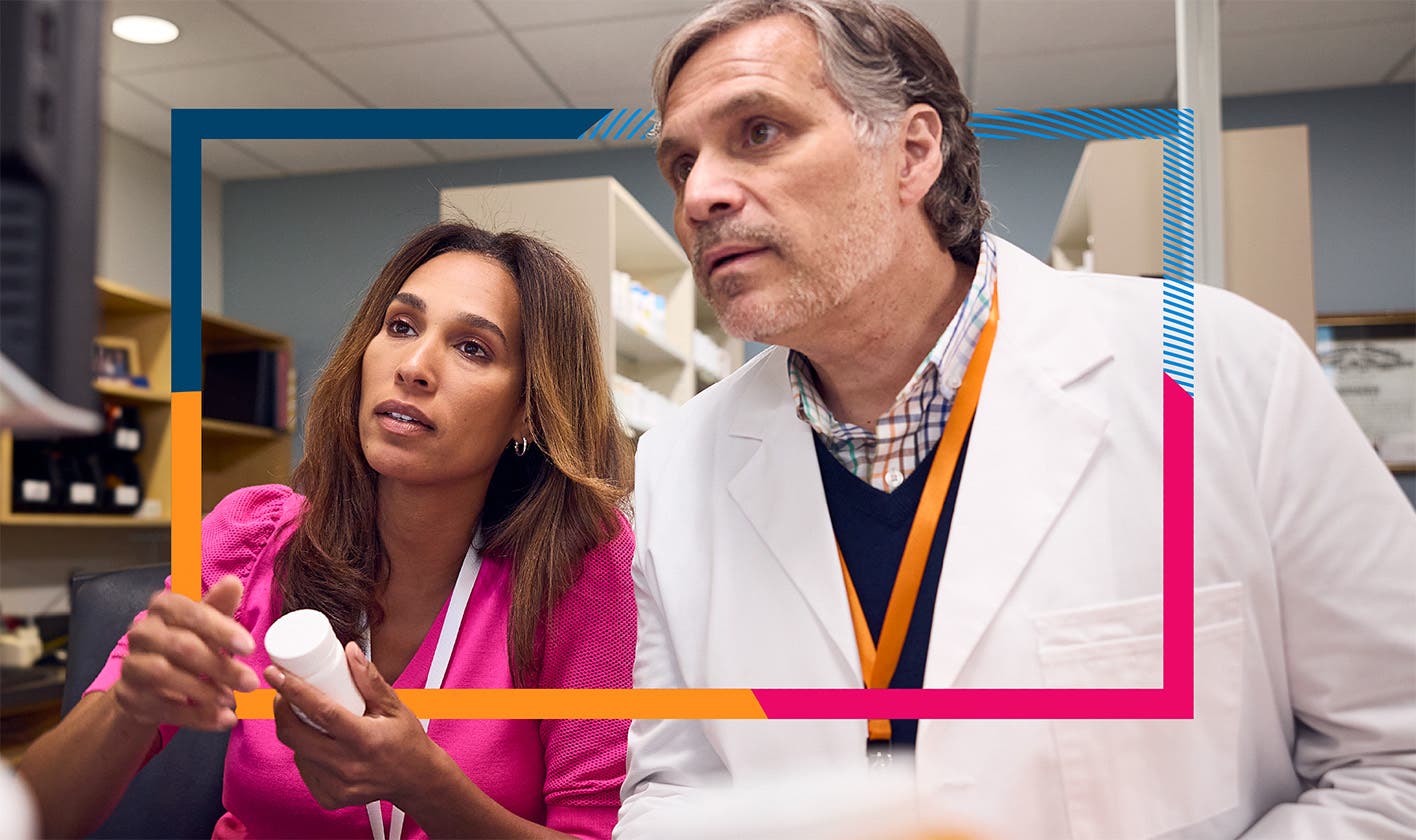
<point>878,665</point>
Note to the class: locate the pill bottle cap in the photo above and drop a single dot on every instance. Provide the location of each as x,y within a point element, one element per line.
<point>302,642</point>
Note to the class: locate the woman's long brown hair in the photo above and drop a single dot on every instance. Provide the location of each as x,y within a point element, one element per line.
<point>544,510</point>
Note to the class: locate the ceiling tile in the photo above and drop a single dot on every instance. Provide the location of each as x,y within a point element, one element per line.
<point>630,144</point>
<point>309,156</point>
<point>228,162</point>
<point>457,150</point>
<point>331,24</point>
<point>138,117</point>
<point>592,59</point>
<point>1246,16</point>
<point>631,97</point>
<point>608,63</point>
<point>948,21</point>
<point>483,71</point>
<point>286,82</point>
<point>519,14</point>
<point>133,114</point>
<point>1120,76</point>
<point>1028,28</point>
<point>1310,59</point>
<point>210,33</point>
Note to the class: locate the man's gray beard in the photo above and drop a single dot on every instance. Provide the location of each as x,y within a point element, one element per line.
<point>858,256</point>
<point>804,300</point>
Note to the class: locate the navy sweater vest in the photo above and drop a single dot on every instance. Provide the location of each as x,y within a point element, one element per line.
<point>871,527</point>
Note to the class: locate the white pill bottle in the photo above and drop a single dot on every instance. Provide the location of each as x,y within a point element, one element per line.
<point>303,643</point>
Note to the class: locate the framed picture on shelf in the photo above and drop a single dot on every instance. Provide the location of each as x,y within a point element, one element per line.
<point>115,359</point>
<point>1371,361</point>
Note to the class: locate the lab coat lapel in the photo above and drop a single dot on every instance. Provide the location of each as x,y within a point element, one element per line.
<point>778,489</point>
<point>1030,444</point>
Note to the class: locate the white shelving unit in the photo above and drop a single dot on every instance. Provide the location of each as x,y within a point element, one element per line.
<point>602,228</point>
<point>1110,220</point>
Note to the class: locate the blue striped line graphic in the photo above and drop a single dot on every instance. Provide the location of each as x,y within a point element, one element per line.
<point>1176,129</point>
<point>1178,247</point>
<point>622,124</point>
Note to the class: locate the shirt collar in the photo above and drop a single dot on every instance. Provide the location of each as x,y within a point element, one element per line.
<point>949,355</point>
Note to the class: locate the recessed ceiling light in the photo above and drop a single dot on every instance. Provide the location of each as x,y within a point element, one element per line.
<point>144,29</point>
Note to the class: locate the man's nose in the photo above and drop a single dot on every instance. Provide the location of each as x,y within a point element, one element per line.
<point>712,190</point>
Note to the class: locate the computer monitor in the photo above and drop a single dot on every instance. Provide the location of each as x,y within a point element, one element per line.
<point>49,135</point>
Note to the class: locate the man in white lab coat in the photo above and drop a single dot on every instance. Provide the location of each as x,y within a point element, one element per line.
<point>827,191</point>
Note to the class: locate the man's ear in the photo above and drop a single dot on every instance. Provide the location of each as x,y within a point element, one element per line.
<point>920,133</point>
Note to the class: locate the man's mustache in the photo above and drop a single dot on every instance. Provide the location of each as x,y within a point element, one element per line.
<point>737,232</point>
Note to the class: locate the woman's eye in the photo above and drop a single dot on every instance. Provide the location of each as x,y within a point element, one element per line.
<point>400,327</point>
<point>473,349</point>
<point>761,133</point>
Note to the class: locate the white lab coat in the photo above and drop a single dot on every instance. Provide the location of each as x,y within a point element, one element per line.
<point>1305,573</point>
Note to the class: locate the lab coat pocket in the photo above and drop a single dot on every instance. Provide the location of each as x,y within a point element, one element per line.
<point>1126,779</point>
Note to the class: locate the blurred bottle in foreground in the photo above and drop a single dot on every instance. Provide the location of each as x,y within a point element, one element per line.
<point>864,804</point>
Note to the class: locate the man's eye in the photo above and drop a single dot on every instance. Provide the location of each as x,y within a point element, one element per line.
<point>761,133</point>
<point>681,168</point>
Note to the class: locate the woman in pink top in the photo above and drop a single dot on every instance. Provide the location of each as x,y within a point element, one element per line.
<point>463,427</point>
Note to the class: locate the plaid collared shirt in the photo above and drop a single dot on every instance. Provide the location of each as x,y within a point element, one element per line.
<point>908,432</point>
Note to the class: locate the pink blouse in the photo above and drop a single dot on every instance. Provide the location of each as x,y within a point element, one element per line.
<point>565,774</point>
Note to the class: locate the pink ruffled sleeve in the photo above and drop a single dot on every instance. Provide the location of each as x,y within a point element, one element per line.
<point>590,644</point>
<point>235,534</point>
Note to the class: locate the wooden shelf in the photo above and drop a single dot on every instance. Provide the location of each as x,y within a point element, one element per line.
<point>228,429</point>
<point>234,455</point>
<point>219,330</point>
<point>117,299</point>
<point>129,393</point>
<point>83,520</point>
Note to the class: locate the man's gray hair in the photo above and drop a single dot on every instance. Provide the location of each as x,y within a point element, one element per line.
<point>878,60</point>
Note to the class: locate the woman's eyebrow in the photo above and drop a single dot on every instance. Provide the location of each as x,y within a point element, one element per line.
<point>476,322</point>
<point>482,323</point>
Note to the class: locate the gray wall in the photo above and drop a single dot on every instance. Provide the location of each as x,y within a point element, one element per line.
<point>135,221</point>
<point>299,251</point>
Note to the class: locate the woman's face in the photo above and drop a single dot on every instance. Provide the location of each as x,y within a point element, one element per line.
<point>442,380</point>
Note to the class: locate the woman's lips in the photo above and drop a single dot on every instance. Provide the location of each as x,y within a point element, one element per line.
<point>402,418</point>
<point>401,426</point>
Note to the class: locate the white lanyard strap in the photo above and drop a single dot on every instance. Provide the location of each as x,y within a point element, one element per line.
<point>437,669</point>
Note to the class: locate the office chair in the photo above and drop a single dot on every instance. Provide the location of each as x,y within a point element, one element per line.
<point>178,793</point>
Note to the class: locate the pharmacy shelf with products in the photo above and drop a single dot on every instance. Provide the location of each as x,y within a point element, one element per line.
<point>1111,219</point>
<point>648,308</point>
<point>715,353</point>
<point>123,477</point>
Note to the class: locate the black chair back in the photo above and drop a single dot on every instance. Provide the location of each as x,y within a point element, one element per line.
<point>178,793</point>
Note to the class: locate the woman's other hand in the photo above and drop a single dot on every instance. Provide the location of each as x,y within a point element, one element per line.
<point>180,668</point>
<point>383,755</point>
